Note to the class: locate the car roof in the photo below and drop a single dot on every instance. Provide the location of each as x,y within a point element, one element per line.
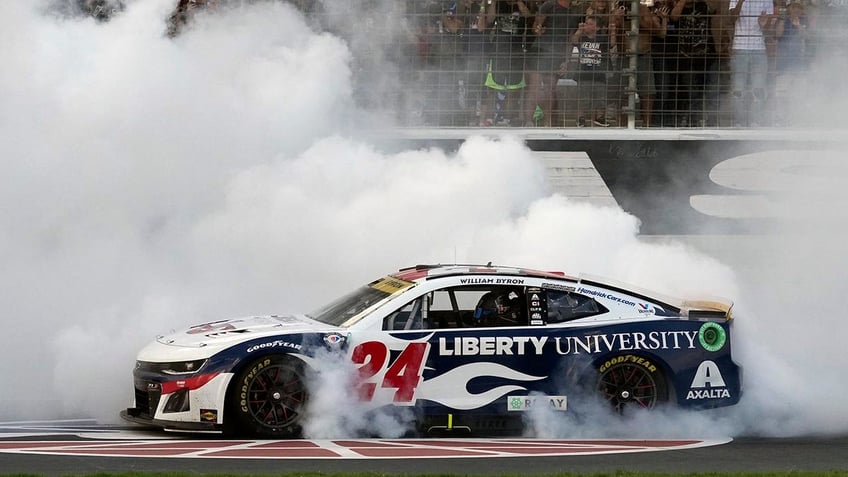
<point>423,272</point>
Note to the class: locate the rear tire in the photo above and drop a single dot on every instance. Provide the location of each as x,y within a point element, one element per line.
<point>630,381</point>
<point>269,398</point>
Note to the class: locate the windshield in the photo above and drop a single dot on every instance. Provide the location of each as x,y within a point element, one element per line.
<point>340,311</point>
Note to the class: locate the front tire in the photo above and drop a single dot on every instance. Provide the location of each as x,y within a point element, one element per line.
<point>630,381</point>
<point>269,398</point>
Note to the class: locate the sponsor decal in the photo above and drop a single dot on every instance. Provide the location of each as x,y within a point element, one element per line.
<point>654,340</point>
<point>708,383</point>
<point>391,285</point>
<point>712,336</point>
<point>537,306</point>
<point>564,345</point>
<point>707,394</point>
<point>536,319</point>
<point>491,281</point>
<point>557,286</point>
<point>646,309</point>
<point>608,296</point>
<point>334,339</point>
<point>209,415</point>
<point>491,345</point>
<point>525,403</point>
<point>629,358</point>
<point>274,344</point>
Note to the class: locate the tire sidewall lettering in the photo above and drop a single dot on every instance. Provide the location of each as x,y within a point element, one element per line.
<point>628,358</point>
<point>245,384</point>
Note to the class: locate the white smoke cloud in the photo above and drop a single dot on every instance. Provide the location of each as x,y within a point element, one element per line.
<point>117,143</point>
<point>151,183</point>
<point>592,419</point>
<point>791,287</point>
<point>333,381</point>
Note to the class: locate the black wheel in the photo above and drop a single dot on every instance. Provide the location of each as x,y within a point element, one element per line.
<point>629,380</point>
<point>269,397</point>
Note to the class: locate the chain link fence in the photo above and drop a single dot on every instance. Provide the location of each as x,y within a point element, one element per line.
<point>618,63</point>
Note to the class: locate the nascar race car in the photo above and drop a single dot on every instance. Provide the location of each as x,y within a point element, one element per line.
<point>461,346</point>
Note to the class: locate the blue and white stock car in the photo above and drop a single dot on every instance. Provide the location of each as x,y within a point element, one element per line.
<point>461,347</point>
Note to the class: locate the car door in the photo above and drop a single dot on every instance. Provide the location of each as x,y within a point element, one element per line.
<point>445,350</point>
<point>438,349</point>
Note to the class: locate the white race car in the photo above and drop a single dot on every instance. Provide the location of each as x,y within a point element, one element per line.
<point>461,346</point>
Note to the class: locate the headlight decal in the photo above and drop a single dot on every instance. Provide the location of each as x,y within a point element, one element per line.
<point>190,383</point>
<point>175,368</point>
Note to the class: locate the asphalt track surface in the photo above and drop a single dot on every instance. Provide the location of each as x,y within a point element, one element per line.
<point>716,455</point>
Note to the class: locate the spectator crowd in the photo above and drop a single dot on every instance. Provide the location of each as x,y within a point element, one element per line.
<point>589,63</point>
<point>596,63</point>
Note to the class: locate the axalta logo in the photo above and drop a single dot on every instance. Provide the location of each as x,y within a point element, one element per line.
<point>525,403</point>
<point>708,383</point>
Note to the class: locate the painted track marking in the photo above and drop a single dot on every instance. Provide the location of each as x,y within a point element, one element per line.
<point>351,448</point>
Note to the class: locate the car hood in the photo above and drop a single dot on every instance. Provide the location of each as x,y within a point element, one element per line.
<point>207,338</point>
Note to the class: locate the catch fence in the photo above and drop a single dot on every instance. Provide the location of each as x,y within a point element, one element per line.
<point>608,64</point>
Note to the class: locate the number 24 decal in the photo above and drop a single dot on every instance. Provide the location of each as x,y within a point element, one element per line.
<point>403,374</point>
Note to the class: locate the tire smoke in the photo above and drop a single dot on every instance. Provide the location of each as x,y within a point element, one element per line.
<point>150,184</point>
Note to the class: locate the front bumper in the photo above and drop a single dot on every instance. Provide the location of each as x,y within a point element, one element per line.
<point>140,416</point>
<point>193,403</point>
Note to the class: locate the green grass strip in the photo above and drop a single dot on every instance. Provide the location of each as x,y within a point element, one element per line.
<point>831,473</point>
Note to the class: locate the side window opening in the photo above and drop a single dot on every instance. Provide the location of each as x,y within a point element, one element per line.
<point>466,307</point>
<point>462,307</point>
<point>566,306</point>
<point>411,316</point>
<point>445,311</point>
<point>501,307</point>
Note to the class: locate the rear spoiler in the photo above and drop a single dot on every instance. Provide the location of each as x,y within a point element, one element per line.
<point>713,309</point>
